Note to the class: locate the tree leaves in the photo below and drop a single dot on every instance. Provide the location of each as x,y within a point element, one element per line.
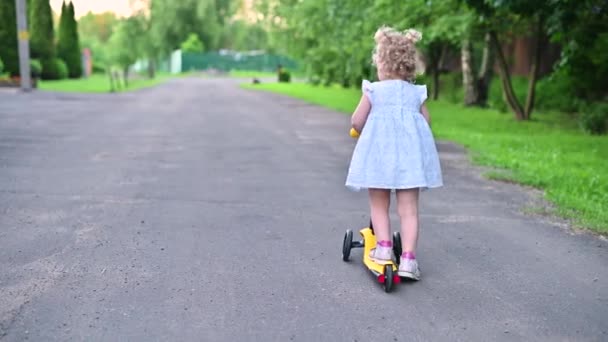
<point>172,21</point>
<point>8,37</point>
<point>68,44</point>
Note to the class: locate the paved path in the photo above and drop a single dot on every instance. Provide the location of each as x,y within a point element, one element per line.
<point>197,211</point>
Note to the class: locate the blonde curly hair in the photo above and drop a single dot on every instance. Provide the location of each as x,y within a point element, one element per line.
<point>395,53</point>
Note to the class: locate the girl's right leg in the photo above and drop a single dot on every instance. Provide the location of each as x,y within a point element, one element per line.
<point>407,207</point>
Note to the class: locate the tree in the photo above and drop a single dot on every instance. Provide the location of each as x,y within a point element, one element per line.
<point>172,21</point>
<point>125,45</point>
<point>500,17</point>
<point>149,47</point>
<point>97,26</point>
<point>225,9</point>
<point>476,81</point>
<point>64,42</point>
<point>242,35</point>
<point>42,36</point>
<point>334,37</point>
<point>74,56</point>
<point>581,27</point>
<point>42,39</point>
<point>192,44</point>
<point>94,32</point>
<point>68,45</point>
<point>314,32</point>
<point>8,37</point>
<point>444,25</point>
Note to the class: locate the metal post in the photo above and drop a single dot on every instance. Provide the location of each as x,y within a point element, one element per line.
<point>24,45</point>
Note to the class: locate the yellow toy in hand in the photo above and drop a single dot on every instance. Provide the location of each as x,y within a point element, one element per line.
<point>354,133</point>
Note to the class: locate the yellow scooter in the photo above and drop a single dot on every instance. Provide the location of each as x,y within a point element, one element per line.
<point>385,274</point>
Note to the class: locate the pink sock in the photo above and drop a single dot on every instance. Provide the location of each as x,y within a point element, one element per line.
<point>408,255</point>
<point>385,243</point>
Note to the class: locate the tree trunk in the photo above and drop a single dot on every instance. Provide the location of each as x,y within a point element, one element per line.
<point>505,77</point>
<point>111,76</point>
<point>435,82</point>
<point>151,68</point>
<point>125,72</point>
<point>484,77</point>
<point>533,75</point>
<point>434,66</point>
<point>468,80</point>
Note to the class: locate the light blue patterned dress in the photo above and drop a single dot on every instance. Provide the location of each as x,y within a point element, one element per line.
<point>396,149</point>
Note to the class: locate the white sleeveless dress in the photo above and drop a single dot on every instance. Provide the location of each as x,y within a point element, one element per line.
<point>396,149</point>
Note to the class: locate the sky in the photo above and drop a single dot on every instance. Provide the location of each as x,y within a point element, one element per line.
<point>82,7</point>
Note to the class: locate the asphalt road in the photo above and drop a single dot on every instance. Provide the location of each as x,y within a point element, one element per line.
<point>198,211</point>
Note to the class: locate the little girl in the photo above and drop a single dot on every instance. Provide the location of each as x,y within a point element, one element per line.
<point>396,150</point>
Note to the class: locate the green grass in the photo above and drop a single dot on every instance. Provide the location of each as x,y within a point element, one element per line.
<point>549,152</point>
<point>261,74</point>
<point>252,74</point>
<point>335,97</point>
<point>98,83</point>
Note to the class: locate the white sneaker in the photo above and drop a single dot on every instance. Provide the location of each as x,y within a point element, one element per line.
<point>382,255</point>
<point>408,268</point>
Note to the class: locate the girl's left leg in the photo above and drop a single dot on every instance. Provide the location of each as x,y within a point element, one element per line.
<point>379,200</point>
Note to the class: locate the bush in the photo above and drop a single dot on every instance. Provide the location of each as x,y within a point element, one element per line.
<point>54,69</point>
<point>1,66</point>
<point>284,76</point>
<point>35,68</point>
<point>555,92</point>
<point>450,86</point>
<point>192,44</point>
<point>98,68</point>
<point>496,99</point>
<point>315,80</point>
<point>422,79</point>
<point>594,118</point>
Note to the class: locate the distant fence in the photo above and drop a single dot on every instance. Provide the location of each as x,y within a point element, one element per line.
<point>228,60</point>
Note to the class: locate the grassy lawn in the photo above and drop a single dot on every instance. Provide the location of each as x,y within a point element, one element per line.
<point>252,74</point>
<point>98,83</point>
<point>261,74</point>
<point>549,153</point>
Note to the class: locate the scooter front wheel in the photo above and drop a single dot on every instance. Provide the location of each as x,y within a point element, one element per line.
<point>388,278</point>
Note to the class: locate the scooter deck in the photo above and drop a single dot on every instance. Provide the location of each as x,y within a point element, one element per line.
<point>369,240</point>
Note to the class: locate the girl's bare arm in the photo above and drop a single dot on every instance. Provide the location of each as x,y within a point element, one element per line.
<point>425,113</point>
<point>360,115</point>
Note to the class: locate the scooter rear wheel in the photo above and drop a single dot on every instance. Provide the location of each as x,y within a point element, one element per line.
<point>347,245</point>
<point>397,249</point>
